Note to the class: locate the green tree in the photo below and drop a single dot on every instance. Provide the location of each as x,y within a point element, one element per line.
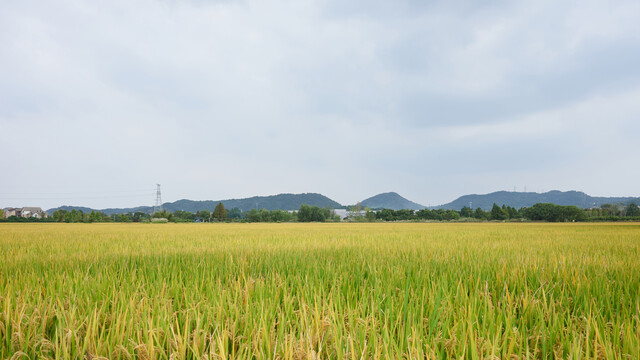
<point>609,210</point>
<point>93,216</point>
<point>1,214</point>
<point>253,215</point>
<point>304,213</point>
<point>554,213</point>
<point>58,215</point>
<point>505,211</point>
<point>450,215</point>
<point>369,215</point>
<point>164,214</point>
<point>570,213</point>
<point>427,214</point>
<point>405,214</point>
<point>234,213</point>
<point>497,213</point>
<point>71,216</point>
<point>313,213</point>
<point>513,213</point>
<point>139,216</point>
<point>219,213</point>
<point>540,212</point>
<point>280,215</point>
<point>123,218</point>
<point>480,214</point>
<point>205,215</point>
<point>265,215</point>
<point>466,212</point>
<point>633,210</point>
<point>96,216</point>
<point>355,212</point>
<point>182,216</point>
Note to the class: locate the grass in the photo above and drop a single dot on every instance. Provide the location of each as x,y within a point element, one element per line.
<point>320,291</point>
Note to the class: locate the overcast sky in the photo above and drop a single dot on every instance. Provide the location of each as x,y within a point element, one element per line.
<point>101,100</point>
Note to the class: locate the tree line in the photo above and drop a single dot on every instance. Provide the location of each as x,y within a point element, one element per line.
<point>538,212</point>
<point>307,213</point>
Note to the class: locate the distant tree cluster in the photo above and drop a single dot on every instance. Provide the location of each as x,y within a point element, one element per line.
<point>554,213</point>
<point>406,214</point>
<point>611,212</point>
<point>218,214</point>
<point>313,214</point>
<point>78,216</point>
<point>307,213</point>
<point>264,215</point>
<point>497,213</point>
<point>537,212</point>
<point>355,213</point>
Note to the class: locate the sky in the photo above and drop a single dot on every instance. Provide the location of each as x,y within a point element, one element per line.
<point>102,100</point>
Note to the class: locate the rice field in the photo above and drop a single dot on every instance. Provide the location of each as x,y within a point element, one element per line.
<point>320,291</point>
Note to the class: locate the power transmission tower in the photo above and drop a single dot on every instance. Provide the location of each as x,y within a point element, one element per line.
<point>158,206</point>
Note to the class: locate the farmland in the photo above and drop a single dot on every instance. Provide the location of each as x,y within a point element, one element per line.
<point>318,291</point>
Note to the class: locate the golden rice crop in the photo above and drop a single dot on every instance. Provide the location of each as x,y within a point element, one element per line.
<point>319,291</point>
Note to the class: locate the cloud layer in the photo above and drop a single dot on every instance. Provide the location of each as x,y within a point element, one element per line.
<point>219,99</point>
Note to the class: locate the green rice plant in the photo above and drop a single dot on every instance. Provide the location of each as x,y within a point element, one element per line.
<point>320,291</point>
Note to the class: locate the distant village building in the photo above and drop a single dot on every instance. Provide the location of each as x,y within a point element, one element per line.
<point>25,212</point>
<point>11,212</point>
<point>342,213</point>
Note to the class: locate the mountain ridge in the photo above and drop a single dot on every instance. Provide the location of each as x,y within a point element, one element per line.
<point>285,201</point>
<point>527,199</point>
<point>389,200</point>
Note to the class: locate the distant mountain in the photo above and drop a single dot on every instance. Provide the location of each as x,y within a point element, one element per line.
<point>273,202</point>
<point>390,200</point>
<point>109,211</point>
<point>522,199</point>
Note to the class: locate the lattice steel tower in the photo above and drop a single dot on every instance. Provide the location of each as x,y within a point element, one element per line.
<point>158,206</point>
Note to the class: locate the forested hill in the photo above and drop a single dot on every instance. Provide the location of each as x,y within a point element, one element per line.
<point>110,211</point>
<point>527,199</point>
<point>272,202</point>
<point>390,200</point>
